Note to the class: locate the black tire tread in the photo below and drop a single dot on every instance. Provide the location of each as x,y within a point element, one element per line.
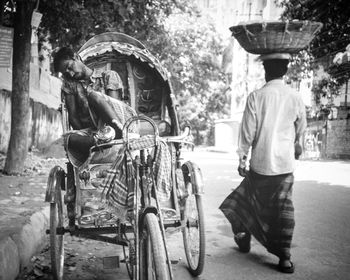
<point>56,267</point>
<point>196,270</point>
<point>157,247</point>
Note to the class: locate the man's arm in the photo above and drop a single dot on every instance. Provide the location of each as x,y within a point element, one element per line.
<point>99,105</point>
<point>246,134</point>
<point>72,112</point>
<point>300,123</point>
<point>300,126</point>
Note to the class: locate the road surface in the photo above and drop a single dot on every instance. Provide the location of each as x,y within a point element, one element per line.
<point>321,244</point>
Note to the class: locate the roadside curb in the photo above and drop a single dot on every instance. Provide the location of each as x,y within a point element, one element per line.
<point>17,249</point>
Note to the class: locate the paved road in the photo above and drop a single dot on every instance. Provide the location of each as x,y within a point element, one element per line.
<point>321,245</point>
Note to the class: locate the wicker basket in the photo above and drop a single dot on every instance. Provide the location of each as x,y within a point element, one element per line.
<point>275,36</point>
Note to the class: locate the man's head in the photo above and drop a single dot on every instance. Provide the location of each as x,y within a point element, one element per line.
<point>275,68</point>
<point>69,64</point>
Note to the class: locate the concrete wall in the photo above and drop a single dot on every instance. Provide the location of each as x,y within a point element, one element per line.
<point>44,88</point>
<point>44,120</point>
<point>44,123</point>
<point>338,139</point>
<point>5,119</point>
<point>331,139</point>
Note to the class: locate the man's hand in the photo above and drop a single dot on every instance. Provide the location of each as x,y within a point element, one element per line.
<point>297,150</point>
<point>242,166</point>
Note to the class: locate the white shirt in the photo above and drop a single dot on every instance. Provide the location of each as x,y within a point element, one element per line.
<point>273,118</point>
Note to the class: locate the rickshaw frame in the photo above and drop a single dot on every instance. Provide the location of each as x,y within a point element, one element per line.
<point>68,181</point>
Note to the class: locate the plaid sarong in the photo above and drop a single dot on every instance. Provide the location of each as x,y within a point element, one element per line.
<point>119,184</point>
<point>262,205</point>
<point>122,113</point>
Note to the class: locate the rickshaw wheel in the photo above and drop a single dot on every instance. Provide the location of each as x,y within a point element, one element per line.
<point>129,266</point>
<point>194,234</point>
<point>153,264</point>
<point>56,240</point>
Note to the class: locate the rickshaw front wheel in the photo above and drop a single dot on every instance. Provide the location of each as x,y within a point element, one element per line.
<point>56,240</point>
<point>194,234</point>
<point>153,263</point>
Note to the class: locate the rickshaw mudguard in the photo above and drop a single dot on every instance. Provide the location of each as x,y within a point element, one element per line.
<point>149,209</point>
<point>55,181</point>
<point>195,174</point>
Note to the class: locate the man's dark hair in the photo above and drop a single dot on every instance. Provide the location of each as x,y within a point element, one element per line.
<point>276,68</point>
<point>63,53</point>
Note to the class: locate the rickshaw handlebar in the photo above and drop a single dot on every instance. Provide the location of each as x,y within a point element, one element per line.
<point>169,139</point>
<point>183,138</point>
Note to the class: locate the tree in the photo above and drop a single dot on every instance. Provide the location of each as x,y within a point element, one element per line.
<point>334,14</point>
<point>189,50</point>
<point>73,22</point>
<point>333,38</point>
<point>18,147</point>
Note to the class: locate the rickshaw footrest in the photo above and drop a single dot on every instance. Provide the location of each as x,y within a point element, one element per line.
<point>111,262</point>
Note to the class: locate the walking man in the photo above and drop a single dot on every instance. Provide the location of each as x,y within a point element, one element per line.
<point>273,121</point>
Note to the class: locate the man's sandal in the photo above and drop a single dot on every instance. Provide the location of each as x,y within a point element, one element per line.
<point>243,241</point>
<point>286,269</point>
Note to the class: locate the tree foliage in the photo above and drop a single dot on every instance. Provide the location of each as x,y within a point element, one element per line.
<point>334,14</point>
<point>333,38</point>
<point>300,66</point>
<point>72,22</point>
<point>190,50</point>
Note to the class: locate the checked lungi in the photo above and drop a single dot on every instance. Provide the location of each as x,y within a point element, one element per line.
<point>119,184</point>
<point>262,205</point>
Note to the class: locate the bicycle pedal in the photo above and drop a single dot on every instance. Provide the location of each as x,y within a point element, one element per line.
<point>111,262</point>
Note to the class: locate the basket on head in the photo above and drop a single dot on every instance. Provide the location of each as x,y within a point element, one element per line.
<point>275,36</point>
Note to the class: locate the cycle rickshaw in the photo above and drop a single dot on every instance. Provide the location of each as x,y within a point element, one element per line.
<point>141,230</point>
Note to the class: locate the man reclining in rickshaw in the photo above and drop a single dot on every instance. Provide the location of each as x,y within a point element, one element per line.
<point>92,102</point>
<point>93,107</point>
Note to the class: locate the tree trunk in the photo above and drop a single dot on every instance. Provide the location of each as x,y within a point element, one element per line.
<point>2,6</point>
<point>18,146</point>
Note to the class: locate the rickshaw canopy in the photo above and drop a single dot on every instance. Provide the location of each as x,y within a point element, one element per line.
<point>124,44</point>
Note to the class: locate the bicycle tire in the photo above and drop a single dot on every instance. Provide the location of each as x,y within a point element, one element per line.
<point>56,241</point>
<point>194,227</point>
<point>153,263</point>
